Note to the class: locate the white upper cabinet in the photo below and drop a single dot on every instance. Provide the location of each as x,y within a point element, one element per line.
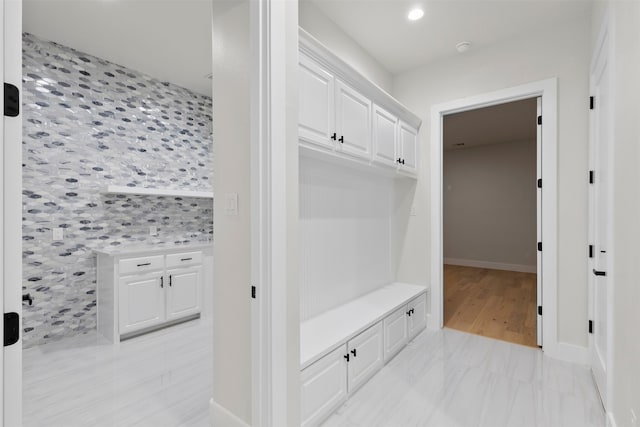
<point>353,121</point>
<point>408,149</point>
<point>345,117</point>
<point>385,135</point>
<point>316,109</point>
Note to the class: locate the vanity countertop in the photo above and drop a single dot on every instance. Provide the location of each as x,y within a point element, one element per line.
<point>126,250</point>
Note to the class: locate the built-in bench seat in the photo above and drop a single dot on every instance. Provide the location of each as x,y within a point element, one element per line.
<point>343,347</point>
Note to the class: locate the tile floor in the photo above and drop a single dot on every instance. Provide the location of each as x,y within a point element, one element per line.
<point>162,379</point>
<point>450,378</point>
<point>443,378</point>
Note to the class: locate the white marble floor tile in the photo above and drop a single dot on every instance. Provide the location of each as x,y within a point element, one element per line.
<point>160,379</point>
<point>450,378</point>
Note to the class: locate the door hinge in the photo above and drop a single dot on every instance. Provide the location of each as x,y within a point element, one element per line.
<point>539,182</point>
<point>539,120</point>
<point>590,326</point>
<point>11,100</point>
<point>592,177</point>
<point>11,328</point>
<point>592,102</point>
<point>253,292</point>
<point>540,246</point>
<point>539,310</point>
<point>590,251</point>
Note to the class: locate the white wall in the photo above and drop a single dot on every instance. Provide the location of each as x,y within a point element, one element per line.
<point>562,52</point>
<point>316,23</point>
<point>489,205</point>
<point>232,234</point>
<point>626,206</point>
<point>346,229</point>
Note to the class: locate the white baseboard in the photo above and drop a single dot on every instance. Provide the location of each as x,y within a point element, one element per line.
<point>219,416</point>
<point>491,265</point>
<point>611,421</point>
<point>567,352</point>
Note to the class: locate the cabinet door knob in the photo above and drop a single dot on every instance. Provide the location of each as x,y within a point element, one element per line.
<point>162,281</point>
<point>353,352</point>
<point>333,136</point>
<point>346,356</point>
<point>341,139</point>
<point>170,280</point>
<point>599,273</point>
<point>399,160</point>
<point>408,313</point>
<point>403,161</point>
<point>143,264</point>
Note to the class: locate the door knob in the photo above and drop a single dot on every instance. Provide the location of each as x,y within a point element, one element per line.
<point>599,273</point>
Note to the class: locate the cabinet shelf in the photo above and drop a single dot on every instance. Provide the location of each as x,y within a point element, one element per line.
<point>140,191</point>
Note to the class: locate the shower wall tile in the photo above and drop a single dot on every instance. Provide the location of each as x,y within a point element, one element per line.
<point>89,123</point>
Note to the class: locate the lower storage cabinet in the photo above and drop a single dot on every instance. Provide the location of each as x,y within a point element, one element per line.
<point>365,356</point>
<point>324,387</point>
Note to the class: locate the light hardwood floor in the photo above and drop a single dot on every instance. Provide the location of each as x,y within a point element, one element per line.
<point>493,303</point>
<point>162,379</point>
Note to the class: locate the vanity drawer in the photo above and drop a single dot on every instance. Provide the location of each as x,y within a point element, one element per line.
<point>141,264</point>
<point>184,259</point>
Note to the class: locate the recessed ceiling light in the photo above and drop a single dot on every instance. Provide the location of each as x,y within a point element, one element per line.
<point>415,14</point>
<point>463,46</point>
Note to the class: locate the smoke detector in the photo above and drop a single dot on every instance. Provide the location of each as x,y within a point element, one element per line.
<point>463,46</point>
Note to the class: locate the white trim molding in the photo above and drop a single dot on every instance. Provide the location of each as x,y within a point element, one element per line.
<point>548,90</point>
<point>490,265</point>
<point>275,320</point>
<point>221,417</point>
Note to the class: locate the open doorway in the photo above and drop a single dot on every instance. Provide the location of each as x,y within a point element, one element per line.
<point>491,221</point>
<point>117,161</point>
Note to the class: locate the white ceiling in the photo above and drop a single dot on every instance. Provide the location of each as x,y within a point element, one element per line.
<point>381,26</point>
<point>167,39</point>
<point>510,122</point>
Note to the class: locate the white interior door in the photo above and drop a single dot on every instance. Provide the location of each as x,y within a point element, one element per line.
<point>11,131</point>
<point>600,220</point>
<point>539,223</point>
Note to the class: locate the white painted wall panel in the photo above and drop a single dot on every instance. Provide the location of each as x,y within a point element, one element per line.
<point>345,235</point>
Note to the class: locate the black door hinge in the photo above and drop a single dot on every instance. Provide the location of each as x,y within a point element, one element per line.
<point>539,310</point>
<point>539,120</point>
<point>592,177</point>
<point>592,102</point>
<point>539,182</point>
<point>253,292</point>
<point>590,251</point>
<point>540,246</point>
<point>11,100</point>
<point>11,328</point>
<point>590,326</point>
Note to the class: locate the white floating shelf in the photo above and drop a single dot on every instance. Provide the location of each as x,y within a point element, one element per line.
<point>119,189</point>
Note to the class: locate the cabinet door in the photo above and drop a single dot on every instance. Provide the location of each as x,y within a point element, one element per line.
<point>408,141</point>
<point>418,317</point>
<point>365,356</point>
<point>316,107</point>
<point>141,302</point>
<point>184,292</point>
<point>385,135</point>
<point>353,121</point>
<point>323,387</point>
<point>395,332</point>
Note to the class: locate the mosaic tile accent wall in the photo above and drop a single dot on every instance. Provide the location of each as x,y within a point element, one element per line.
<point>89,123</point>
